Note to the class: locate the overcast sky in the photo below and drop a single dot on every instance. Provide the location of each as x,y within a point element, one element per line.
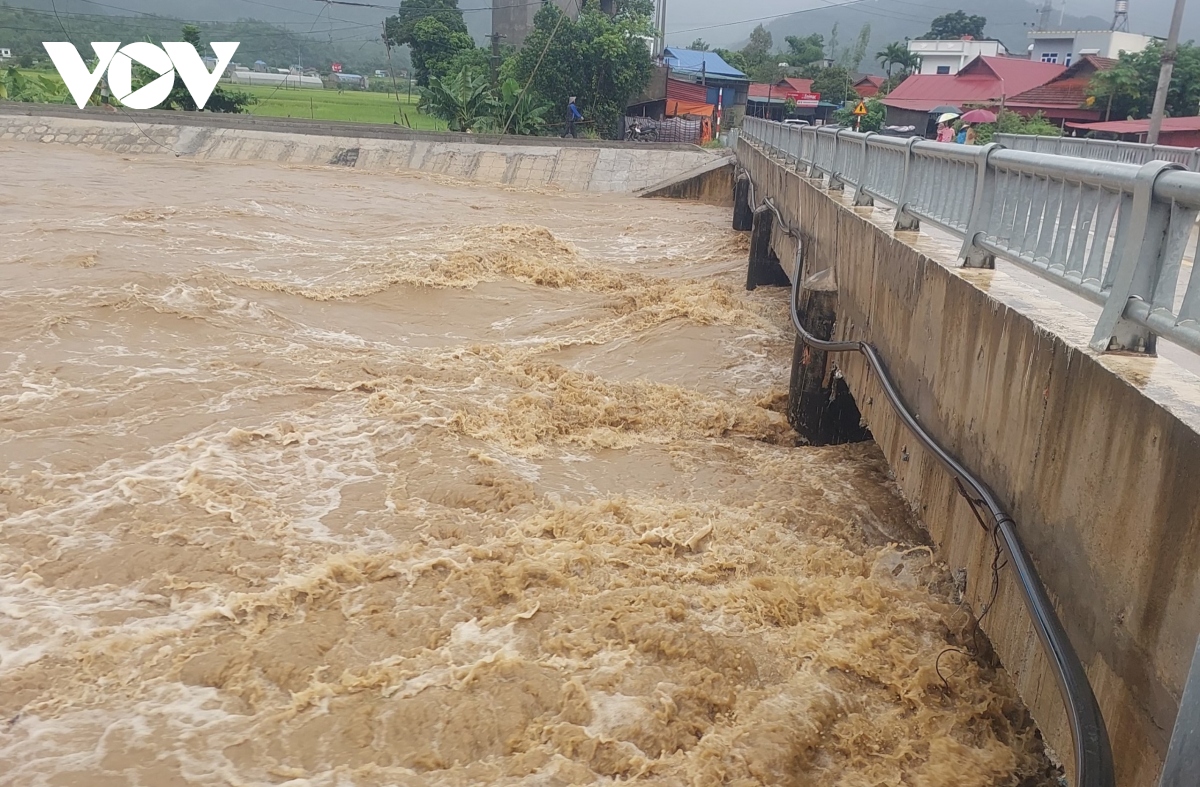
<point>723,22</point>
<point>721,17</point>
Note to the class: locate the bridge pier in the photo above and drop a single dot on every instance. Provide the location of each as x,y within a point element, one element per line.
<point>743,213</point>
<point>820,406</point>
<point>764,267</point>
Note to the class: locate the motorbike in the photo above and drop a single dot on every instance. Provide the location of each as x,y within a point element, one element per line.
<point>638,133</point>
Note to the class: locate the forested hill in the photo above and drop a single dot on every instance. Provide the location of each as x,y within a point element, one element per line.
<point>327,19</point>
<point>24,30</point>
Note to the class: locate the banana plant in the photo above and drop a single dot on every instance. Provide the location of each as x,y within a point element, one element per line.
<point>17,86</point>
<point>462,100</point>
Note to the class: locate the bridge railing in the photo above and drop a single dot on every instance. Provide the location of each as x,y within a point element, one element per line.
<point>1102,149</point>
<point>1118,234</point>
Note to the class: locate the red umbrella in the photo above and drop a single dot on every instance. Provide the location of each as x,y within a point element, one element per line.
<point>979,116</point>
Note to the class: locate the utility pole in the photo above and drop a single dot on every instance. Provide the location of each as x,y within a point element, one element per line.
<point>1164,74</point>
<point>495,58</point>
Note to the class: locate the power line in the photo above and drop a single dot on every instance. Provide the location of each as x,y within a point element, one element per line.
<point>434,11</point>
<point>166,20</point>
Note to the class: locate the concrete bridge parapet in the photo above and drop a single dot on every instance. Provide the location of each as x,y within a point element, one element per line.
<point>1093,454</point>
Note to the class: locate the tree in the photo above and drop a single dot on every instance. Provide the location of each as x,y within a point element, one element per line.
<point>435,33</point>
<point>891,56</point>
<point>462,100</point>
<point>853,55</point>
<point>601,59</point>
<point>1011,123</point>
<point>699,45</point>
<point>762,65</point>
<point>892,82</point>
<point>735,59</point>
<point>1127,89</point>
<point>909,62</point>
<point>834,84</point>
<point>518,111</point>
<point>803,51</point>
<point>956,25</point>
<point>220,100</point>
<point>476,61</point>
<point>760,43</point>
<point>872,121</point>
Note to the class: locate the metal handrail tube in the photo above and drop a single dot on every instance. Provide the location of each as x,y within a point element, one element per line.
<point>1078,222</point>
<point>1091,172</point>
<point>1180,187</point>
<point>1103,149</point>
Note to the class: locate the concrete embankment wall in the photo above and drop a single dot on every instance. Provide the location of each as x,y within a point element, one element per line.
<point>1094,455</point>
<point>570,167</point>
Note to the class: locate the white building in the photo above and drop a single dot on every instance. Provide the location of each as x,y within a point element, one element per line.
<point>947,57</point>
<point>1066,46</point>
<point>243,76</point>
<point>5,54</point>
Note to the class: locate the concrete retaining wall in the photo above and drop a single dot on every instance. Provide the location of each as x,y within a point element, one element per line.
<point>1094,455</point>
<point>609,168</point>
<point>710,183</point>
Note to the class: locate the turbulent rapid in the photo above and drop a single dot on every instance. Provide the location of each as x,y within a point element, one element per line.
<point>327,478</point>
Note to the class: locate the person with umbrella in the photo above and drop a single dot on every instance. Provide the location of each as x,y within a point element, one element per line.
<point>966,134</point>
<point>945,132</point>
<point>937,113</point>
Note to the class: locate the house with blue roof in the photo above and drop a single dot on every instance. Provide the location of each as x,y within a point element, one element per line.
<point>710,71</point>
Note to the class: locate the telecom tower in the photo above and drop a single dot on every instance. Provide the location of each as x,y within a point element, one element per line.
<point>1121,16</point>
<point>1044,13</point>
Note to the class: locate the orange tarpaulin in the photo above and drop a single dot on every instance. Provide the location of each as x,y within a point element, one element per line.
<point>677,108</point>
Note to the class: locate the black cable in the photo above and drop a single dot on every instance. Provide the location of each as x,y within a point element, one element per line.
<point>1093,752</point>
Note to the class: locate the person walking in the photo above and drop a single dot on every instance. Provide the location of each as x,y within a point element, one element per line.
<point>961,137</point>
<point>945,133</point>
<point>573,117</point>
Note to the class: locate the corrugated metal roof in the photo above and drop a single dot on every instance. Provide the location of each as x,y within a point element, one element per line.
<point>982,80</point>
<point>1069,89</point>
<point>1187,123</point>
<point>780,89</point>
<point>797,85</point>
<point>700,62</point>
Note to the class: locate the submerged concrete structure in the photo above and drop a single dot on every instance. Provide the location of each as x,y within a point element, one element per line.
<point>526,162</point>
<point>1092,453</point>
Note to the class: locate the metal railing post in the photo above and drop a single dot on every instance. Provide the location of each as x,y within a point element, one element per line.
<point>904,219</point>
<point>863,198</point>
<point>973,255</point>
<point>1137,267</point>
<point>835,182</point>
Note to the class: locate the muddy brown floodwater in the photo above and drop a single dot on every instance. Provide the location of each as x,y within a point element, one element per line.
<point>325,478</point>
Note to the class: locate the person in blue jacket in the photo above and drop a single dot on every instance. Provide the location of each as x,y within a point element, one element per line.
<point>573,116</point>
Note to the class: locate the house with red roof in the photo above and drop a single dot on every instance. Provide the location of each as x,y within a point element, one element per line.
<point>1183,132</point>
<point>768,100</point>
<point>1065,97</point>
<point>868,85</point>
<point>984,82</point>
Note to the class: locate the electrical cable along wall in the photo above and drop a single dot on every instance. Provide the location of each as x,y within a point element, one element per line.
<point>1093,759</point>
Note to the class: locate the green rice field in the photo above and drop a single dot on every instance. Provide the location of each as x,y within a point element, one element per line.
<point>354,106</point>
